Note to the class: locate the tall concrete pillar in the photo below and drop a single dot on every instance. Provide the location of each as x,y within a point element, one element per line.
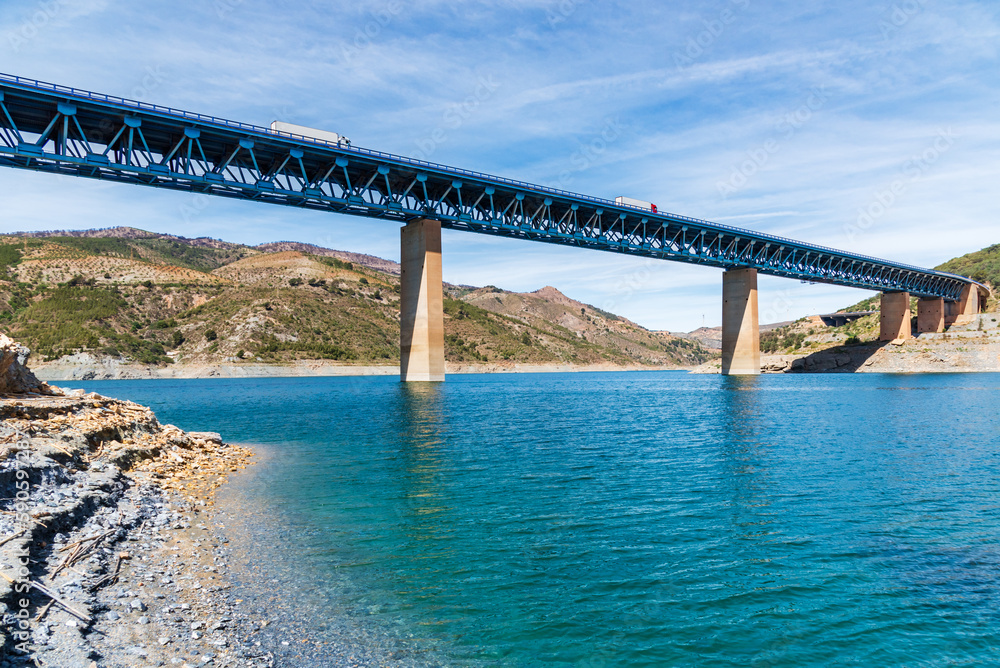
<point>965,309</point>
<point>894,319</point>
<point>740,325</point>
<point>930,314</point>
<point>421,303</point>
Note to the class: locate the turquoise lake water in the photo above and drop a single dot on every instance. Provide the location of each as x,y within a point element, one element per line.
<point>623,519</point>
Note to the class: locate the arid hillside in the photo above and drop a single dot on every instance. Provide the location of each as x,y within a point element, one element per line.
<point>154,299</point>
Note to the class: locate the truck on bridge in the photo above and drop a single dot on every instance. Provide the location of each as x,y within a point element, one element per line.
<point>309,133</point>
<point>55,129</point>
<point>638,203</point>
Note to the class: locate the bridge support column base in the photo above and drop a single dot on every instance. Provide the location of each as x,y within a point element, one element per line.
<point>894,319</point>
<point>421,303</point>
<point>965,309</point>
<point>930,314</point>
<point>740,324</point>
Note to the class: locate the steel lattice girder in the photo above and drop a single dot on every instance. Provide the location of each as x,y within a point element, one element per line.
<point>66,131</point>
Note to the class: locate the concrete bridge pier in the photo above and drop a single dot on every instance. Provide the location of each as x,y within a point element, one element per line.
<point>962,312</point>
<point>930,314</point>
<point>421,303</point>
<point>894,318</point>
<point>740,323</point>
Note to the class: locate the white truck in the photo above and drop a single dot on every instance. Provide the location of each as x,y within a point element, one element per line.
<point>628,201</point>
<point>312,133</point>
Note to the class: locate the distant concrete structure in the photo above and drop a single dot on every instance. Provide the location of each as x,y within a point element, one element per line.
<point>841,319</point>
<point>969,305</point>
<point>930,314</point>
<point>894,320</point>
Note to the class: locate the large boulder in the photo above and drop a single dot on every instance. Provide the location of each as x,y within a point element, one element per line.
<point>15,376</point>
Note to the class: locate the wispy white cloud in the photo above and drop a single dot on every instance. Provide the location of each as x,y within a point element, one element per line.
<point>389,74</point>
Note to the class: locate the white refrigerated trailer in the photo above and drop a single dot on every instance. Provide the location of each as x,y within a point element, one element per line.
<point>628,201</point>
<point>312,133</point>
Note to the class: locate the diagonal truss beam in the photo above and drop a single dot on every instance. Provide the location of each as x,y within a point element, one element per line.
<point>49,128</point>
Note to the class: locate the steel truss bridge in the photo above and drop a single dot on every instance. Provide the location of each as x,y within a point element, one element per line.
<point>51,128</point>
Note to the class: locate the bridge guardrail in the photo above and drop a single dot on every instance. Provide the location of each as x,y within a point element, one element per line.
<point>266,131</point>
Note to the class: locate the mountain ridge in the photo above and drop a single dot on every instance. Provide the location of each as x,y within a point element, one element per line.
<point>147,298</point>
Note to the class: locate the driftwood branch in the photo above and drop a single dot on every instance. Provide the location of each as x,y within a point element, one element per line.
<point>11,512</point>
<point>112,577</point>
<point>79,551</point>
<point>10,538</point>
<point>41,613</point>
<point>48,592</point>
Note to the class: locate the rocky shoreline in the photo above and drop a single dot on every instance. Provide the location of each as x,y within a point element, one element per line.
<point>113,553</point>
<point>108,554</point>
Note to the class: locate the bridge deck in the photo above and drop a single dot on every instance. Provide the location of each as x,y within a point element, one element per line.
<point>51,128</point>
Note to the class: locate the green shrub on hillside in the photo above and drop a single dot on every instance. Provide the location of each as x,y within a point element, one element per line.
<point>107,246</point>
<point>163,251</point>
<point>10,256</point>
<point>982,266</point>
<point>185,255</point>
<point>780,339</point>
<point>271,346</point>
<point>333,262</point>
<point>76,318</point>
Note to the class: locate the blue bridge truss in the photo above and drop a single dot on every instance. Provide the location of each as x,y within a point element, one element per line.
<point>50,128</point>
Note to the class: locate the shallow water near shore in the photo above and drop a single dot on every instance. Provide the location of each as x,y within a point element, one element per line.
<point>612,519</point>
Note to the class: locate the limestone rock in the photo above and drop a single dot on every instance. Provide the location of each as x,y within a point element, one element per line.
<point>15,377</point>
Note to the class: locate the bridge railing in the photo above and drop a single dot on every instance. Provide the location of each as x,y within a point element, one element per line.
<point>223,122</point>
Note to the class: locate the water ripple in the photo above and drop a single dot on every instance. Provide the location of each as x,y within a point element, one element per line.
<point>645,519</point>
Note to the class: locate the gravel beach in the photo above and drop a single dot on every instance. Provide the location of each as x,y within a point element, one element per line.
<point>114,553</point>
<point>108,555</point>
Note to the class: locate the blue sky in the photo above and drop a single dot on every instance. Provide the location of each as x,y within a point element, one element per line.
<point>866,126</point>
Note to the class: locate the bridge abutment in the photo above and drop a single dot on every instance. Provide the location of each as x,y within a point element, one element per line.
<point>962,312</point>
<point>930,314</point>
<point>740,323</point>
<point>894,317</point>
<point>421,303</point>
